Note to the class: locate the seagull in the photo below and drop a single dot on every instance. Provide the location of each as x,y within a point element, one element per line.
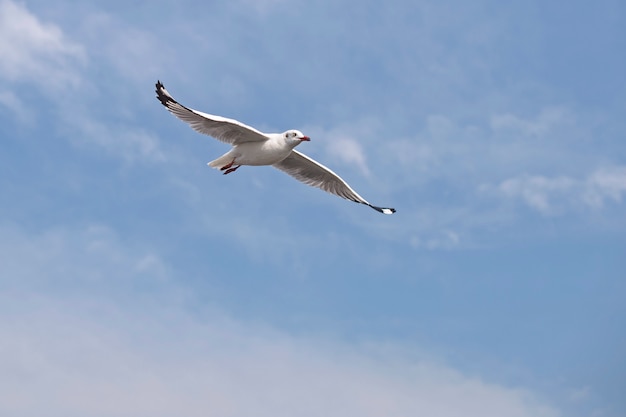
<point>254,148</point>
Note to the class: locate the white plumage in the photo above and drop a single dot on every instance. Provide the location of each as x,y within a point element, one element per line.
<point>252,147</point>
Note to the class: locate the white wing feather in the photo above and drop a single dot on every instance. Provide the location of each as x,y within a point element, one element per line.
<point>312,173</point>
<point>223,129</point>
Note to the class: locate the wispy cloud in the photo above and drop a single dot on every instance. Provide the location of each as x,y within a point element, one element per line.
<point>555,195</point>
<point>605,184</point>
<point>537,191</point>
<point>41,54</point>
<point>12,102</point>
<point>540,126</point>
<point>92,351</point>
<point>126,141</point>
<point>125,49</point>
<point>34,51</point>
<point>346,143</point>
<point>349,151</point>
<point>60,258</point>
<point>446,239</point>
<point>125,364</point>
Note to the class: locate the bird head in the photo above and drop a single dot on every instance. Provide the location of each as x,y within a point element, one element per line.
<point>295,137</point>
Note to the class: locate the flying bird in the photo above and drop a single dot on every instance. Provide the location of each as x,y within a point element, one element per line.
<point>252,147</point>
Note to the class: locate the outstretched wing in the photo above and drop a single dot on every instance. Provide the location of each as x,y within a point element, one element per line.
<point>223,129</point>
<point>311,172</point>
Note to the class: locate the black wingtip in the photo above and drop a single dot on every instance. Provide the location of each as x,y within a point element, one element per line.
<point>384,210</point>
<point>162,94</point>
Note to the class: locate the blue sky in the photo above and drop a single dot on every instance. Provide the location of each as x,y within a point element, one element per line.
<point>136,281</point>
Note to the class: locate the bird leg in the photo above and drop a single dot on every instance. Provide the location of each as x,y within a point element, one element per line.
<point>229,170</point>
<point>228,165</point>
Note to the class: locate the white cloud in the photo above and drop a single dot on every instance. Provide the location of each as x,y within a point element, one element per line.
<point>538,192</point>
<point>89,345</point>
<point>440,149</point>
<point>446,239</point>
<point>58,258</point>
<point>349,151</point>
<point>554,195</point>
<point>41,54</point>
<point>35,51</point>
<point>347,143</point>
<point>548,119</point>
<point>125,49</point>
<point>100,361</point>
<point>128,142</point>
<point>603,184</point>
<point>9,100</point>
<point>451,148</point>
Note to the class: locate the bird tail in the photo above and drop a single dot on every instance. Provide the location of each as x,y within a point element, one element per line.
<point>221,161</point>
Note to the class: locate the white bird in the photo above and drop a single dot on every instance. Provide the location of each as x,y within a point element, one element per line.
<point>252,147</point>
